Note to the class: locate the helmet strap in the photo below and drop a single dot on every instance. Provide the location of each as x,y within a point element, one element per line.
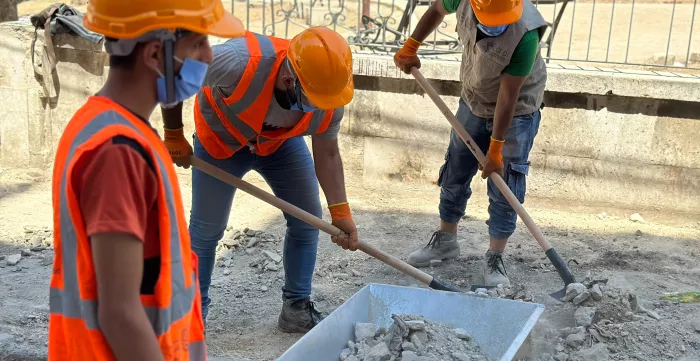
<point>169,52</point>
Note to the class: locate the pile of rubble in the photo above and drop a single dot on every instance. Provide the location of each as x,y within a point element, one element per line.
<point>411,338</point>
<point>252,243</point>
<point>36,240</point>
<point>612,324</point>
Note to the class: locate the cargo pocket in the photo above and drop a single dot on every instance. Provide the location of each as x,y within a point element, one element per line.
<point>443,170</point>
<point>517,173</point>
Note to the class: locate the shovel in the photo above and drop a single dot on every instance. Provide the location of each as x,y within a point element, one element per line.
<point>405,268</point>
<point>559,264</point>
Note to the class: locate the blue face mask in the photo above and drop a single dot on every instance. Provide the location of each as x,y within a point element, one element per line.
<point>187,83</point>
<point>492,30</point>
<point>297,103</point>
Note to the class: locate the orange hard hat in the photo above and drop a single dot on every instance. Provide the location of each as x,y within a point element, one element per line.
<point>129,19</point>
<point>497,12</point>
<point>322,61</point>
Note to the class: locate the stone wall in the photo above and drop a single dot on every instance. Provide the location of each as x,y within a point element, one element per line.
<point>617,137</point>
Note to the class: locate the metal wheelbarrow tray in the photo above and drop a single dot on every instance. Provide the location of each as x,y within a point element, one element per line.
<point>499,326</point>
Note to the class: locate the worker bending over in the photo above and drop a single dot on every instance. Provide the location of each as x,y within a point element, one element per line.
<point>124,283</point>
<point>261,95</point>
<point>503,79</point>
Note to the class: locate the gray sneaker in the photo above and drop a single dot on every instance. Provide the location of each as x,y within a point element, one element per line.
<point>495,270</point>
<point>298,316</point>
<point>442,246</point>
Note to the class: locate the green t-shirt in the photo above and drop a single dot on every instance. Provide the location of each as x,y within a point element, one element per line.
<point>525,53</point>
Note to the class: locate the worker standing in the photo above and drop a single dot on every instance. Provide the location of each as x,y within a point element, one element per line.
<point>260,96</point>
<point>503,80</point>
<point>124,283</point>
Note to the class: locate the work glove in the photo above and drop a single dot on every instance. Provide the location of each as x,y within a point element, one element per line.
<point>179,148</point>
<point>407,58</point>
<point>340,213</point>
<point>494,159</point>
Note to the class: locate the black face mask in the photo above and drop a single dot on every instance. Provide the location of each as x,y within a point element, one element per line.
<point>285,97</point>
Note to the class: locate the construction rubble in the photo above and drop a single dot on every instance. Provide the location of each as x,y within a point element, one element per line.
<point>411,338</point>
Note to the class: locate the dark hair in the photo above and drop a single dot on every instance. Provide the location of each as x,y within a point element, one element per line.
<point>125,62</point>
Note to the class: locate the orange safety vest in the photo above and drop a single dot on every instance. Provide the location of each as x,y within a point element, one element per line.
<point>224,125</point>
<point>174,309</point>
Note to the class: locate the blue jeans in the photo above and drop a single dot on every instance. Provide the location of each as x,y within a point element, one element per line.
<point>290,173</point>
<point>461,166</point>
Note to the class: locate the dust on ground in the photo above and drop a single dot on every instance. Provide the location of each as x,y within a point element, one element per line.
<point>647,257</point>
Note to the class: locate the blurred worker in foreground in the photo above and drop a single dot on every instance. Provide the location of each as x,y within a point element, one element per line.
<point>503,79</point>
<point>261,95</point>
<point>124,283</point>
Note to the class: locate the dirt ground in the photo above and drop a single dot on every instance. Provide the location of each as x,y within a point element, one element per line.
<point>650,259</point>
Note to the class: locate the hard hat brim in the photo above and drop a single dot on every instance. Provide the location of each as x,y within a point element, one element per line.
<point>228,26</point>
<point>332,101</point>
<point>498,19</point>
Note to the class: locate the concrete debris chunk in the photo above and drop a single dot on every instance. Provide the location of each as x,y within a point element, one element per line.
<point>230,242</point>
<point>596,292</point>
<point>576,339</point>
<point>274,257</point>
<point>26,253</point>
<point>355,273</point>
<point>343,263</point>
<point>345,353</point>
<point>341,276</point>
<point>227,272</point>
<point>249,232</point>
<point>13,259</point>
<point>263,288</point>
<point>582,297</point>
<point>597,352</point>
<point>637,218</point>
<point>408,346</point>
<point>584,316</point>
<point>415,325</point>
<point>272,267</point>
<point>252,242</point>
<point>364,330</point>
<point>462,334</point>
<point>410,356</point>
<point>380,352</point>
<point>638,233</point>
<point>573,290</point>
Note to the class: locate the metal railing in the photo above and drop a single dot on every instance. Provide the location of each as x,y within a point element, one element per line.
<point>647,33</point>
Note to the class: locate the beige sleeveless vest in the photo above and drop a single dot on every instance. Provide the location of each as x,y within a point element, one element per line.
<point>483,62</point>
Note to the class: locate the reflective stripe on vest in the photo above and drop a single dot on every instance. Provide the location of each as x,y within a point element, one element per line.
<point>67,303</point>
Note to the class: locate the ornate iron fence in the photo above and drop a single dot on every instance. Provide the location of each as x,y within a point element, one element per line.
<point>623,32</point>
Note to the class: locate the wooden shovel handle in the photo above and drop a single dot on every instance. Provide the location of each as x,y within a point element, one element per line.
<point>308,218</point>
<point>497,180</point>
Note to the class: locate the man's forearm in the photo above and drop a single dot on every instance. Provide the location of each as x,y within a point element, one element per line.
<point>128,333</point>
<point>330,173</point>
<point>428,23</point>
<point>503,116</point>
<point>172,117</point>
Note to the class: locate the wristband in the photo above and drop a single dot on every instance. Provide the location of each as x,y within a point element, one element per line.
<point>412,45</point>
<point>175,132</point>
<point>496,149</point>
<point>340,211</point>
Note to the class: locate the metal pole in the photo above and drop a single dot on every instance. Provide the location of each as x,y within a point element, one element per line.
<point>670,30</point>
<point>612,17</point>
<point>690,37</point>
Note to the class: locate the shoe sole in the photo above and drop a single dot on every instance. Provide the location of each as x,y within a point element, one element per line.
<point>450,256</point>
<point>292,329</point>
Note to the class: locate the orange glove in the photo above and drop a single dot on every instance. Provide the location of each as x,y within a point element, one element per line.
<point>494,159</point>
<point>179,148</point>
<point>407,58</point>
<point>340,213</point>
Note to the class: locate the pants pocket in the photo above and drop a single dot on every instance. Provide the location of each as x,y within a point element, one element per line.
<point>517,182</point>
<point>443,170</point>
